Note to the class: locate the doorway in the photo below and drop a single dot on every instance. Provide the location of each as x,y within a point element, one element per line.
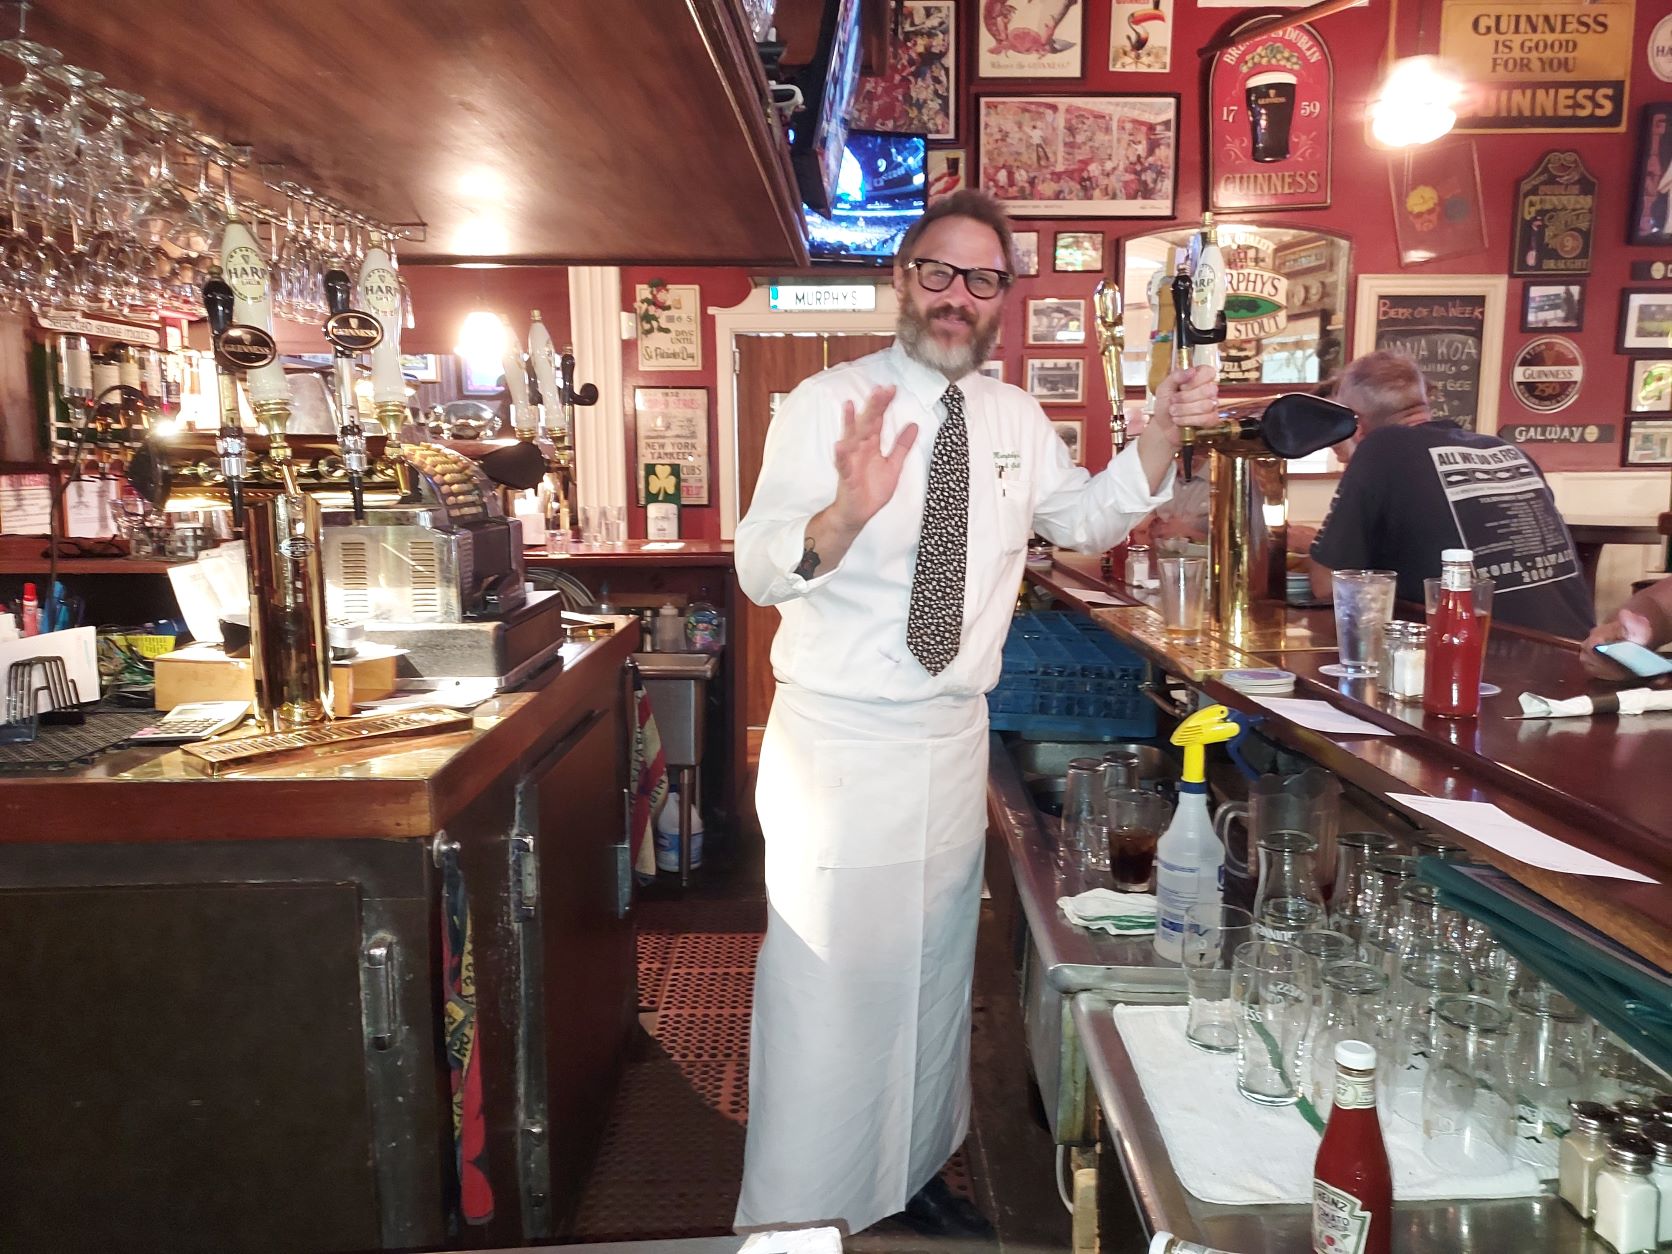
<point>768,365</point>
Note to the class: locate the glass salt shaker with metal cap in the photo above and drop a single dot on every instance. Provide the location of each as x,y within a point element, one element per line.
<point>1404,660</point>
<point>1580,1155</point>
<point>1628,1203</point>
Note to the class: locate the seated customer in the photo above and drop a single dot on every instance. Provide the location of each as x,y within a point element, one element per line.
<point>1646,619</point>
<point>1415,485</point>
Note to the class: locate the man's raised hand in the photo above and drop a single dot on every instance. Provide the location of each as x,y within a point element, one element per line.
<point>866,476</point>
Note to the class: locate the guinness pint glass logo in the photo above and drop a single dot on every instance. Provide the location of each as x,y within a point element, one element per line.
<point>296,548</point>
<point>354,330</point>
<point>243,347</point>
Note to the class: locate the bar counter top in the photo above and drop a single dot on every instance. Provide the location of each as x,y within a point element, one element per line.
<point>1600,784</point>
<point>383,790</point>
<point>717,553</point>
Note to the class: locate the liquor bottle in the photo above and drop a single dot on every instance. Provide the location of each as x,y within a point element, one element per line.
<point>1451,682</point>
<point>1352,1186</point>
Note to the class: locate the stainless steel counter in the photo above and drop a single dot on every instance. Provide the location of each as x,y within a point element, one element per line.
<point>1511,1225</point>
<point>1072,959</point>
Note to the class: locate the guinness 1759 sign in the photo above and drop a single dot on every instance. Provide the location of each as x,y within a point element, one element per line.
<point>1555,210</point>
<point>1540,65</point>
<point>1269,123</point>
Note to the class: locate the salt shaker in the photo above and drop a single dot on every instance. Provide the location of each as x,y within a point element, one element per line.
<point>1580,1155</point>
<point>1628,1203</point>
<point>1405,660</point>
<point>1137,565</point>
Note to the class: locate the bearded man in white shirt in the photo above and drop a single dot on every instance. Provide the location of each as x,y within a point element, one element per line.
<point>889,526</point>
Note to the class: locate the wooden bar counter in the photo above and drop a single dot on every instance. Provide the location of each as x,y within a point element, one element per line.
<point>1599,784</point>
<point>230,997</point>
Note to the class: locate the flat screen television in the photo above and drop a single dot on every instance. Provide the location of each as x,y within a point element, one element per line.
<point>880,190</point>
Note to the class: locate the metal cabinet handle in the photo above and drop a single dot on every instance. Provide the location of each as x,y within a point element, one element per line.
<point>1163,698</point>
<point>377,982</point>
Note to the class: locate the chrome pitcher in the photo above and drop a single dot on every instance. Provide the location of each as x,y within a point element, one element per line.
<point>289,649</point>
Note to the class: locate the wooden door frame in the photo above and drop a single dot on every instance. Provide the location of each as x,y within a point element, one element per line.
<point>752,317</point>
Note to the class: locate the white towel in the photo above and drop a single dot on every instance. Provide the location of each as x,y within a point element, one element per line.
<point>1212,1131</point>
<point>1119,914</point>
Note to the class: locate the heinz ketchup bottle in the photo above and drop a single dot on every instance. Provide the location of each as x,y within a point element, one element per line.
<point>1352,1187</point>
<point>1351,1184</point>
<point>1451,681</point>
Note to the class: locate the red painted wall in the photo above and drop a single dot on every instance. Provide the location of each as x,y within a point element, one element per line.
<point>443,295</point>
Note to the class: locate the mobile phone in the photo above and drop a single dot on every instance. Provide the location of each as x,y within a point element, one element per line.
<point>1635,658</point>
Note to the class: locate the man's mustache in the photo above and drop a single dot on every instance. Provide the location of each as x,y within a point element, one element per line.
<point>952,311</point>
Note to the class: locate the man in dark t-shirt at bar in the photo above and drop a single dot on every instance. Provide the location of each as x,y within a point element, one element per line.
<point>1415,485</point>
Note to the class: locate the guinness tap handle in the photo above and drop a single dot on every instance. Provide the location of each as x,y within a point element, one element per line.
<point>217,304</point>
<point>1181,288</point>
<point>338,291</point>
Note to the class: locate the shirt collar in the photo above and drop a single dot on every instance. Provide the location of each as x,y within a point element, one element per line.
<point>926,384</point>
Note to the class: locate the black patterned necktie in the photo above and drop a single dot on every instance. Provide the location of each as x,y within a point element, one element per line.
<point>935,624</point>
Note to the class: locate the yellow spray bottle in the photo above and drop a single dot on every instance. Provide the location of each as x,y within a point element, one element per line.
<point>1190,861</point>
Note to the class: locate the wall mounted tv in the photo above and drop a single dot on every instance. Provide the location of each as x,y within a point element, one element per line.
<point>879,192</point>
<point>827,81</point>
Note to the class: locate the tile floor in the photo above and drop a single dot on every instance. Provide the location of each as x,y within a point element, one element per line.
<point>671,1161</point>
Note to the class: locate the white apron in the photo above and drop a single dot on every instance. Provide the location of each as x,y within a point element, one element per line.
<point>873,815</point>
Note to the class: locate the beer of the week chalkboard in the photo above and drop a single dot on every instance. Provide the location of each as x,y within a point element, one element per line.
<point>1352,1186</point>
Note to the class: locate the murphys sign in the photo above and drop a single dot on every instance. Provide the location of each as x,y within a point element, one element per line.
<point>1256,304</point>
<point>1547,374</point>
<point>1540,65</point>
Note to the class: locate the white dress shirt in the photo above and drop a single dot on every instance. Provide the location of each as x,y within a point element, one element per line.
<point>844,631</point>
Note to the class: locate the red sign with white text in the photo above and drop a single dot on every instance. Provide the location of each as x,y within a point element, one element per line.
<point>1269,107</point>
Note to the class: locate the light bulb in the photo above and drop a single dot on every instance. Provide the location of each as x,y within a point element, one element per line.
<point>1416,104</point>
<point>482,340</point>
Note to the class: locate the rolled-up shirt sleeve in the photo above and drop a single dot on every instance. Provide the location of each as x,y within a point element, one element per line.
<point>1074,509</point>
<point>797,480</point>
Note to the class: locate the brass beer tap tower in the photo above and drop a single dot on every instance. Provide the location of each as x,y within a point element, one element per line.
<point>1111,345</point>
<point>289,649</point>
<point>1247,454</point>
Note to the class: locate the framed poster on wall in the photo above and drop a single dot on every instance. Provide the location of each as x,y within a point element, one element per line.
<point>670,325</point>
<point>1452,326</point>
<point>918,92</point>
<point>1270,109</point>
<point>1080,156</point>
<point>1031,39</point>
<point>673,427</point>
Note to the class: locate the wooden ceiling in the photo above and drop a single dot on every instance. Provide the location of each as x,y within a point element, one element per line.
<point>530,130</point>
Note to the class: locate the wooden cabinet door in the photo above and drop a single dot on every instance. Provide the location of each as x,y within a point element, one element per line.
<point>768,368</point>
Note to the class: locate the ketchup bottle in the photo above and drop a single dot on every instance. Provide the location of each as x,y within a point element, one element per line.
<point>1352,1187</point>
<point>1451,682</point>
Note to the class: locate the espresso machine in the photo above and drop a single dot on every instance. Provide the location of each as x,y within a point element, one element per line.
<point>1247,451</point>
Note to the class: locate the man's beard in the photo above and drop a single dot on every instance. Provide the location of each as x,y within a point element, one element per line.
<point>918,338</point>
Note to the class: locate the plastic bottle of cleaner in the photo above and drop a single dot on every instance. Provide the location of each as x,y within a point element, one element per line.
<point>30,616</point>
<point>1189,860</point>
<point>667,835</point>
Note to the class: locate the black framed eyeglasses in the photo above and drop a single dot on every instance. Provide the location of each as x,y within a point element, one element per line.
<point>981,282</point>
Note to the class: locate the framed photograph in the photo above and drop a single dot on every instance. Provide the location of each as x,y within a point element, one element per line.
<point>917,93</point>
<point>1057,380</point>
<point>1651,387</point>
<point>1031,39</point>
<point>481,378</point>
<point>670,327</point>
<point>1072,432</point>
<point>672,427</point>
<point>1080,156</point>
<point>944,171</point>
<point>1436,202</point>
<point>1079,251</point>
<point>1027,253</point>
<point>1651,201</point>
<point>1056,320</point>
<point>1451,325</point>
<point>422,367</point>
<point>1648,442</point>
<point>1552,306</point>
<point>1141,36</point>
<point>993,369</point>
<point>1645,322</point>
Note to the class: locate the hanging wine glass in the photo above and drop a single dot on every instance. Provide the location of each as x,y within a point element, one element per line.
<point>27,108</point>
<point>73,174</point>
<point>164,208</point>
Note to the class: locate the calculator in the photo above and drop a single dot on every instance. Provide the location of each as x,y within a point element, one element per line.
<point>194,720</point>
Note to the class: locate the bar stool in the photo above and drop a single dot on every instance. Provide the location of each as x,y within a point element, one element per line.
<point>677,684</point>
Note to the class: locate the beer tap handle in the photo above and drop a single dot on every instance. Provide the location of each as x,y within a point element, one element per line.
<point>351,437</point>
<point>230,448</point>
<point>586,394</point>
<point>1183,337</point>
<point>1111,339</point>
